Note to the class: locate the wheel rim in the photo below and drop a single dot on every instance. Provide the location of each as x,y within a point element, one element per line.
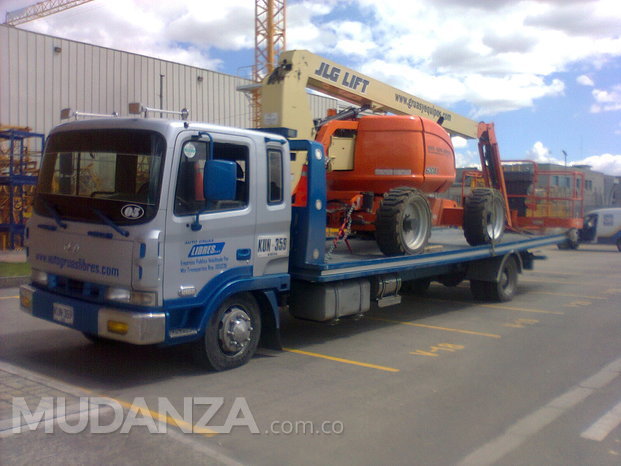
<point>505,282</point>
<point>235,331</point>
<point>415,226</point>
<point>495,220</point>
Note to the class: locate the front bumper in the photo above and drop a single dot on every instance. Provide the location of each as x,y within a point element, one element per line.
<point>136,327</point>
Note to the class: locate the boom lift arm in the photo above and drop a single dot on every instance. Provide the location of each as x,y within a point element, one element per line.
<point>285,103</point>
<point>285,100</point>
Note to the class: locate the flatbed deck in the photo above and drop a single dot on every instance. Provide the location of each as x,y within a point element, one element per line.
<point>446,248</point>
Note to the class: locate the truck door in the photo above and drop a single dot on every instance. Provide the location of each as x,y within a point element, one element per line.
<point>205,239</point>
<point>588,232</point>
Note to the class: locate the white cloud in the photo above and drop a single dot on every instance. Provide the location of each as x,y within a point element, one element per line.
<point>467,159</point>
<point>540,153</point>
<point>606,163</point>
<point>498,56</point>
<point>585,80</point>
<point>181,32</point>
<point>607,100</point>
<point>459,142</point>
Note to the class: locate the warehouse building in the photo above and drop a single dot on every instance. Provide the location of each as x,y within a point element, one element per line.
<point>42,74</point>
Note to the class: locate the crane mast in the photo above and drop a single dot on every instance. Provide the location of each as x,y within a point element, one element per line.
<point>270,40</point>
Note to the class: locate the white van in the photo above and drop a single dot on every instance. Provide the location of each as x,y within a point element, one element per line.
<point>602,226</point>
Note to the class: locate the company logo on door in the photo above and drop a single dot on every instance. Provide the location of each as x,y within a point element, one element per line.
<point>207,249</point>
<point>132,211</point>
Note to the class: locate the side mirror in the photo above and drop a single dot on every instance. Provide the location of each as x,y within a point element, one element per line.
<point>220,180</point>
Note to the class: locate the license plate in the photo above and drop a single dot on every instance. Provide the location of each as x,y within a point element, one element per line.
<point>63,313</point>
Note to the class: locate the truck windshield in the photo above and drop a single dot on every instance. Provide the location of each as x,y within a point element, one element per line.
<point>85,174</point>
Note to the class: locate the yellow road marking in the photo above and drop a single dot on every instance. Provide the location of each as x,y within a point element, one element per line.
<point>9,297</point>
<point>569,274</point>
<point>521,309</point>
<point>435,327</point>
<point>497,306</point>
<point>568,295</point>
<point>346,361</point>
<point>560,282</point>
<point>172,421</point>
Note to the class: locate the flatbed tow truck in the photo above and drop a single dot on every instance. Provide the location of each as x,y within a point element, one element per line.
<point>165,232</point>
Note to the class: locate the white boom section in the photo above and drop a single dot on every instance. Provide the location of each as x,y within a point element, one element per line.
<point>285,100</point>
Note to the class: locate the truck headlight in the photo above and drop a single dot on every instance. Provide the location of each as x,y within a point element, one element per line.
<point>124,295</point>
<point>39,277</point>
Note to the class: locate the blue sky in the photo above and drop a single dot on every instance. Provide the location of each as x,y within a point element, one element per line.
<point>546,72</point>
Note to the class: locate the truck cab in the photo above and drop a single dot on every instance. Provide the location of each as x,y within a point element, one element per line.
<point>602,226</point>
<point>143,229</point>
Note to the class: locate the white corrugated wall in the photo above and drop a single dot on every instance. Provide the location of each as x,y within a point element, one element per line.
<point>40,75</point>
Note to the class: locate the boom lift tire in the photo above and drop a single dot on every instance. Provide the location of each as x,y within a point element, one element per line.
<point>484,217</point>
<point>500,291</point>
<point>403,223</point>
<point>232,335</point>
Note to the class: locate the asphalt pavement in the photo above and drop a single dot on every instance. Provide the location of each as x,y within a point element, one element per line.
<point>439,379</point>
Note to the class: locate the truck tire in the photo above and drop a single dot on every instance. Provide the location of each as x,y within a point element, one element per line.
<point>501,291</point>
<point>232,334</point>
<point>619,244</point>
<point>403,223</point>
<point>484,217</point>
<point>572,240</point>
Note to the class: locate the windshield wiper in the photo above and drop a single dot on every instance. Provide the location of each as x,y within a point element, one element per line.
<point>110,223</point>
<point>55,215</point>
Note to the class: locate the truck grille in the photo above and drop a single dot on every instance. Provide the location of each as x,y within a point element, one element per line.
<point>76,288</point>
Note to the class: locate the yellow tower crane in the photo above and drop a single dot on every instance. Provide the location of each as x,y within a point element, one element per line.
<point>39,10</point>
<point>270,41</point>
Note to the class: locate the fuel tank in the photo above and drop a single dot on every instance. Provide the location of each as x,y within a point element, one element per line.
<point>395,150</point>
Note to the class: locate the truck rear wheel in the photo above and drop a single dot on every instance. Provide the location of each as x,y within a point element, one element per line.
<point>572,241</point>
<point>502,290</point>
<point>484,217</point>
<point>232,334</point>
<point>403,223</point>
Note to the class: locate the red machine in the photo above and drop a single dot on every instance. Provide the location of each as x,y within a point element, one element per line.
<point>385,170</point>
<point>540,201</point>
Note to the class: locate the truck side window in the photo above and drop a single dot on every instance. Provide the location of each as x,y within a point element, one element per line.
<point>274,177</point>
<point>189,197</point>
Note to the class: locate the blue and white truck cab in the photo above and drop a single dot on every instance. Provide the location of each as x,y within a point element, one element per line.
<point>134,217</point>
<point>159,231</point>
<point>602,226</point>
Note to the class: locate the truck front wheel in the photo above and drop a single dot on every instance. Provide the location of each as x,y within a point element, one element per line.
<point>232,335</point>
